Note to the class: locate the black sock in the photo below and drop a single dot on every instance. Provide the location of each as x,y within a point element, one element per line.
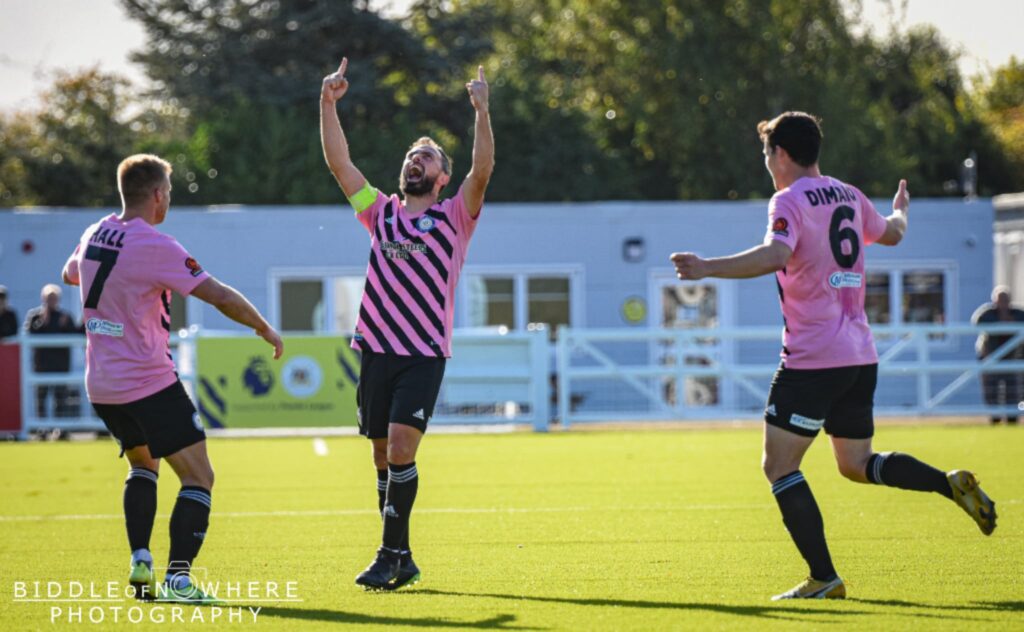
<point>189,520</point>
<point>139,506</point>
<point>896,469</point>
<point>403,482</point>
<point>802,518</point>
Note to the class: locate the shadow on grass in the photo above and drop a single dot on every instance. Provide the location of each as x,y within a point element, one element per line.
<point>497,622</point>
<point>766,611</point>
<point>977,606</point>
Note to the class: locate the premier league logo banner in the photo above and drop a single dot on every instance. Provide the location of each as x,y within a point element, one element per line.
<point>239,385</point>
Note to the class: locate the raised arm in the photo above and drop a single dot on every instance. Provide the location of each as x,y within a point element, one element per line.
<point>896,224</point>
<point>755,262</point>
<point>235,306</point>
<point>332,138</point>
<point>483,146</point>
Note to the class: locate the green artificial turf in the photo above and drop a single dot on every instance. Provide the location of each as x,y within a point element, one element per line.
<point>644,530</point>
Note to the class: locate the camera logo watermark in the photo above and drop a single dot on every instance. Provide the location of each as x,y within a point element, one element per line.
<point>188,597</point>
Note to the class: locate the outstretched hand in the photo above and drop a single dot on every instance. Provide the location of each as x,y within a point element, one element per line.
<point>901,201</point>
<point>335,84</point>
<point>273,339</point>
<point>479,91</point>
<point>689,267</point>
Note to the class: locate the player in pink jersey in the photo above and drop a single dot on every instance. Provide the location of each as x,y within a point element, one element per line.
<point>126,270</point>
<point>817,230</point>
<point>417,248</point>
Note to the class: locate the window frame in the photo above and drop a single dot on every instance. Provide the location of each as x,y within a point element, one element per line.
<point>323,274</point>
<point>950,271</point>
<point>520,275</point>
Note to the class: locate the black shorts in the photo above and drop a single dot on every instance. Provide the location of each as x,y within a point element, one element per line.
<point>397,389</point>
<point>166,422</point>
<point>840,399</point>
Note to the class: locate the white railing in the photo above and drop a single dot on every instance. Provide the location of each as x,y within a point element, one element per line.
<point>493,378</point>
<point>660,374</point>
<point>629,374</point>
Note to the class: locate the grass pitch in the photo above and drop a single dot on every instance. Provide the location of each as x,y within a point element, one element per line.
<point>565,531</point>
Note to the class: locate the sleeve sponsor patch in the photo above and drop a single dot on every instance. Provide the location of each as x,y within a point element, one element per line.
<point>781,227</point>
<point>193,267</point>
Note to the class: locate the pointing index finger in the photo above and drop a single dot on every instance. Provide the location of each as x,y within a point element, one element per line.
<point>343,66</point>
<point>480,73</point>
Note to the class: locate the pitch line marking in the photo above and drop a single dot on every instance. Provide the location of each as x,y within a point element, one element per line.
<point>427,510</point>
<point>360,512</point>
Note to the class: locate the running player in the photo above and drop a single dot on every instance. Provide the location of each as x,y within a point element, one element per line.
<point>417,248</point>
<point>126,270</point>
<point>817,227</point>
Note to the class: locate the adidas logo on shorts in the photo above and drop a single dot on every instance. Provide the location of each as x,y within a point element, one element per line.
<point>419,414</point>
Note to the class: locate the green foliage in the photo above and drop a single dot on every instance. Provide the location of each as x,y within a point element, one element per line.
<point>591,100</point>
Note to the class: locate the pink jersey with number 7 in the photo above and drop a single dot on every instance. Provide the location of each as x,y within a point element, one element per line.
<point>126,271</point>
<point>827,224</point>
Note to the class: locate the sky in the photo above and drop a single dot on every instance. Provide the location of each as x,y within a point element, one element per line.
<point>39,36</point>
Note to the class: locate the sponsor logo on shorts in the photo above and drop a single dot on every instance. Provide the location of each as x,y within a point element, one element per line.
<point>806,422</point>
<point>104,328</point>
<point>419,414</point>
<point>193,267</point>
<point>770,410</point>
<point>302,377</point>
<point>781,227</point>
<point>197,421</point>
<point>845,279</point>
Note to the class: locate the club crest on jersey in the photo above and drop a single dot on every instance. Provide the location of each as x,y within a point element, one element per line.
<point>845,279</point>
<point>781,227</point>
<point>193,267</point>
<point>425,223</point>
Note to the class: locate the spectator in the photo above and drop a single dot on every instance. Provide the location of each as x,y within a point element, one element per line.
<point>8,319</point>
<point>49,318</point>
<point>1000,389</point>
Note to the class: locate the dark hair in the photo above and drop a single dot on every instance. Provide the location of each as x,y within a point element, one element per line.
<point>446,163</point>
<point>799,133</point>
<point>137,176</point>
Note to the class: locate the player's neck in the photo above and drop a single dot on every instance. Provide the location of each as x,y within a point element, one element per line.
<point>416,204</point>
<point>799,172</point>
<point>129,213</point>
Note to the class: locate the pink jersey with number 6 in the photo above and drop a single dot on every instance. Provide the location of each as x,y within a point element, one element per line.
<point>126,271</point>
<point>826,224</point>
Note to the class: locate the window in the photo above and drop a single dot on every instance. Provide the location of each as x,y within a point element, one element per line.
<point>876,299</point>
<point>924,297</point>
<point>315,299</point>
<point>519,300</point>
<point>910,293</point>
<point>548,299</point>
<point>493,302</point>
<point>301,305</point>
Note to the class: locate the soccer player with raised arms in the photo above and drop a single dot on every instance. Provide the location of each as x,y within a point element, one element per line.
<point>126,270</point>
<point>418,245</point>
<point>818,228</point>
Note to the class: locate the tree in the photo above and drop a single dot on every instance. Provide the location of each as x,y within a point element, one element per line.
<point>66,153</point>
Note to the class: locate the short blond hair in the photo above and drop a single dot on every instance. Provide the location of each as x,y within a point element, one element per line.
<point>137,176</point>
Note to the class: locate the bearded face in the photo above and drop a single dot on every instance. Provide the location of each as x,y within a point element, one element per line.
<point>415,181</point>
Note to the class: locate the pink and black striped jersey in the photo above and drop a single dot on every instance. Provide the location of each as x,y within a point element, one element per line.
<point>409,297</point>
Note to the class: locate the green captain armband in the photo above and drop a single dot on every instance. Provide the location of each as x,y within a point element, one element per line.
<point>363,198</point>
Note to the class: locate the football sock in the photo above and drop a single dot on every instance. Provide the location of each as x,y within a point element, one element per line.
<point>140,507</point>
<point>896,469</point>
<point>802,518</point>
<point>382,492</point>
<point>403,482</point>
<point>189,520</point>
